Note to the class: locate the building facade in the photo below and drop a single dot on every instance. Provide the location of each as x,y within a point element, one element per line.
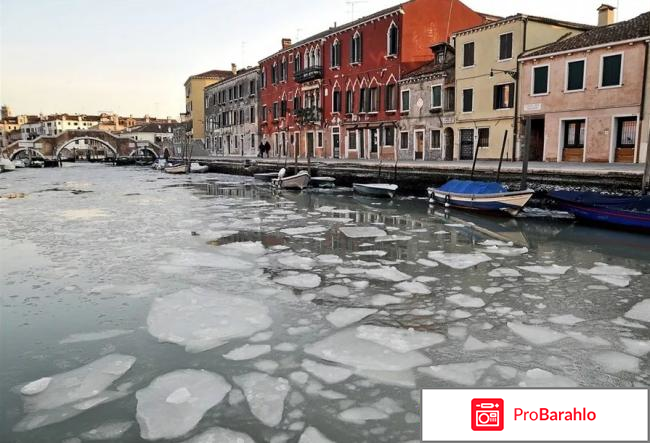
<point>425,131</point>
<point>336,94</point>
<point>231,115</point>
<point>194,100</point>
<point>486,80</point>
<point>584,96</point>
<point>154,133</point>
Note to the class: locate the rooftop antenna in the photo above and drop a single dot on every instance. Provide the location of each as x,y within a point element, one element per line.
<point>298,34</point>
<point>352,4</point>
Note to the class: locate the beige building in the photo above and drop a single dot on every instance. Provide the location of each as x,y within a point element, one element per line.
<point>486,80</point>
<point>194,100</point>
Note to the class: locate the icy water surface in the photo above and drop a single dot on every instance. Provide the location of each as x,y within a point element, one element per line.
<point>139,306</point>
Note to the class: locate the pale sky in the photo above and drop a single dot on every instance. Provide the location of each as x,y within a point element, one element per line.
<point>133,56</point>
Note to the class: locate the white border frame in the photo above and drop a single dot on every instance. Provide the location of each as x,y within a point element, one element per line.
<point>462,101</point>
<point>614,133</point>
<point>548,80</point>
<point>600,70</point>
<point>566,75</point>
<point>424,143</point>
<point>401,101</point>
<point>442,98</point>
<point>560,144</point>
<point>462,61</point>
<point>388,54</point>
<point>512,48</point>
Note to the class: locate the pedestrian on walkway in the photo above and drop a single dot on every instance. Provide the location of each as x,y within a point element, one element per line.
<point>267,148</point>
<point>260,148</point>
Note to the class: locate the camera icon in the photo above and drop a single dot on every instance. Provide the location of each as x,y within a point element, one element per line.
<point>487,414</point>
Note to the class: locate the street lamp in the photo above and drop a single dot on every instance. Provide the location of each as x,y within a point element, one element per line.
<point>512,74</point>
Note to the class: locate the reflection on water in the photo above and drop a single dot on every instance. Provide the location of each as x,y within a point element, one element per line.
<point>331,309</point>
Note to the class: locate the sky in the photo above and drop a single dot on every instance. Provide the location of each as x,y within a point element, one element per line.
<point>133,56</point>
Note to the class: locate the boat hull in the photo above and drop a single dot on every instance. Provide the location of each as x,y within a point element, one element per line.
<point>506,202</point>
<point>375,191</point>
<point>322,182</point>
<point>182,169</point>
<point>299,181</point>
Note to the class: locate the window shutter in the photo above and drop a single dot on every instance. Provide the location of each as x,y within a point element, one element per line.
<point>511,95</point>
<point>495,98</point>
<point>360,47</point>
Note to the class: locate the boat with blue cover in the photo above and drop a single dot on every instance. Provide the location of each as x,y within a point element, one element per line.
<point>480,196</point>
<point>618,211</point>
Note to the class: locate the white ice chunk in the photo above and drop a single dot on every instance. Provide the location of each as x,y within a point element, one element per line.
<point>505,250</point>
<point>265,395</point>
<point>537,335</point>
<point>329,374</point>
<point>107,431</point>
<point>362,232</point>
<point>384,300</point>
<point>605,269</point>
<point>427,263</point>
<point>199,319</point>
<point>539,378</point>
<point>197,259</point>
<point>220,435</point>
<point>291,261</point>
<point>346,348</point>
<point>268,366</point>
<point>317,229</point>
<point>592,341</point>
<point>392,238</point>
<point>387,273</point>
<point>459,261</point>
<point>613,362</point>
<point>566,319</point>
<point>242,249</point>
<point>36,387</point>
<point>286,347</point>
<point>313,435</point>
<point>461,373</point>
<point>466,301</point>
<point>342,317</point>
<point>362,414</point>
<point>474,344</point>
<point>636,347</point>
<point>329,259</point>
<point>300,281</point>
<point>400,340</point>
<point>640,311</point>
<point>546,270</point>
<point>621,281</point>
<point>247,352</point>
<point>160,418</point>
<point>504,272</point>
<point>413,287</point>
<point>93,336</point>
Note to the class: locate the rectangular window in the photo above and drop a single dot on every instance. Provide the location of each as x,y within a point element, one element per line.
<point>264,116</point>
<point>251,88</point>
<point>435,139</point>
<point>390,97</point>
<point>468,54</point>
<point>349,102</point>
<point>611,74</point>
<point>575,72</point>
<point>275,111</point>
<point>283,108</point>
<point>404,140</point>
<point>336,101</point>
<point>389,136</point>
<point>504,96</point>
<point>483,137</point>
<point>352,140</point>
<point>626,132</point>
<point>436,97</point>
<point>362,100</point>
<point>450,99</point>
<point>468,100</point>
<point>540,80</point>
<point>373,100</point>
<point>505,46</point>
<point>574,134</point>
<point>241,91</point>
<point>241,116</point>
<point>252,114</point>
<point>406,101</point>
<point>319,140</point>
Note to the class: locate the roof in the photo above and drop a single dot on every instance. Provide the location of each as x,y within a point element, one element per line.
<point>635,28</point>
<point>212,74</point>
<point>336,29</point>
<point>546,20</point>
<point>154,127</point>
<point>240,73</point>
<point>429,68</point>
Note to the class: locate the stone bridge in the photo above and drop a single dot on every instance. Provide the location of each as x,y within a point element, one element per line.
<point>52,147</point>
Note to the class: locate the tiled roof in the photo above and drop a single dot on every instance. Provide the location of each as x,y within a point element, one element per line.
<point>637,27</point>
<point>154,127</point>
<point>215,73</point>
<point>429,68</point>
<point>535,18</point>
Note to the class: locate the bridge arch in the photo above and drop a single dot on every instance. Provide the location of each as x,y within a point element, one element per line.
<point>99,140</point>
<point>148,149</point>
<point>34,152</point>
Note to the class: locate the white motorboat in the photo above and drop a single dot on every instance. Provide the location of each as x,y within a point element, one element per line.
<point>6,165</point>
<point>180,169</point>
<point>19,164</point>
<point>299,181</point>
<point>384,190</point>
<point>197,168</point>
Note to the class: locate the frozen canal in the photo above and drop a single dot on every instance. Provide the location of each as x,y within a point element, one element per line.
<point>139,306</point>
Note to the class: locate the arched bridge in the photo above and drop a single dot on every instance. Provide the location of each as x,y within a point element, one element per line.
<point>55,146</point>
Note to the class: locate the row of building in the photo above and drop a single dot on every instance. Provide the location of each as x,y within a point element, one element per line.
<point>435,80</point>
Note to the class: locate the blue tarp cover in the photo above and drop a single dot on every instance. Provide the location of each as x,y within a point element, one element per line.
<point>604,201</point>
<point>472,187</point>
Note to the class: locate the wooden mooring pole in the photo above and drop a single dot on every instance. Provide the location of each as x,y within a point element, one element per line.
<point>524,155</point>
<point>503,148</point>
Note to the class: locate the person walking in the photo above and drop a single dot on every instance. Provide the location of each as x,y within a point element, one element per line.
<point>267,148</point>
<point>261,149</point>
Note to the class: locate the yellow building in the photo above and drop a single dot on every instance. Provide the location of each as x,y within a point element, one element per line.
<point>194,99</point>
<point>486,80</point>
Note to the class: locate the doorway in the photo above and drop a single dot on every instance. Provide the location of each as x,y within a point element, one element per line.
<point>362,143</point>
<point>448,154</point>
<point>536,152</point>
<point>419,145</point>
<point>336,142</point>
<point>310,144</point>
<point>466,144</point>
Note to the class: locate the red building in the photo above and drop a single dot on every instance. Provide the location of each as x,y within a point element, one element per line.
<point>336,94</point>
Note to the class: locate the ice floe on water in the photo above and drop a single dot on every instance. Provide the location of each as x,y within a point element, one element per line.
<point>342,317</point>
<point>507,251</point>
<point>413,287</point>
<point>291,261</point>
<point>174,403</point>
<point>70,393</point>
<point>362,414</point>
<point>400,340</point>
<point>467,374</point>
<point>546,270</point>
<point>474,344</point>
<point>457,260</point>
<point>362,232</point>
<point>385,300</point>
<point>636,347</point>
<point>299,280</point>
<point>504,272</point>
<point>304,230</point>
<point>329,259</point>
<point>265,395</point>
<point>220,435</point>
<point>94,336</point>
<point>191,260</point>
<point>566,319</point>
<point>313,435</point>
<point>640,311</point>
<point>199,319</point>
<point>466,301</point>
<point>537,335</point>
<point>614,362</point>
<point>370,253</point>
<point>247,352</point>
<point>540,378</point>
<point>327,373</point>
<point>107,431</point>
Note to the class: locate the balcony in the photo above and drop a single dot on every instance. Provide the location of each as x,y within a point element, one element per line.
<point>309,74</point>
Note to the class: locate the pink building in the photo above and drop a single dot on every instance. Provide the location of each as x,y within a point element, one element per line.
<point>584,95</point>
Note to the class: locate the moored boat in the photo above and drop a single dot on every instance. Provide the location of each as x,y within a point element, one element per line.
<point>299,181</point>
<point>6,165</point>
<point>37,164</point>
<point>322,182</point>
<point>383,190</point>
<point>265,176</point>
<point>19,164</point>
<point>480,196</point>
<point>197,168</point>
<point>615,211</point>
<point>179,169</point>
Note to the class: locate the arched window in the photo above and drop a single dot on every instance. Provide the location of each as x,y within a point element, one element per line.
<point>306,64</point>
<point>317,56</point>
<point>335,59</point>
<point>357,45</point>
<point>274,73</point>
<point>296,62</point>
<point>392,40</point>
<point>312,57</point>
<point>283,70</point>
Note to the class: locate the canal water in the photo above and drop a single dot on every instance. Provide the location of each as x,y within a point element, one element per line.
<point>139,306</point>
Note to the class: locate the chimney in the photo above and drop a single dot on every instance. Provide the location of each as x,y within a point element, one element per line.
<point>286,42</point>
<point>233,68</point>
<point>605,15</point>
